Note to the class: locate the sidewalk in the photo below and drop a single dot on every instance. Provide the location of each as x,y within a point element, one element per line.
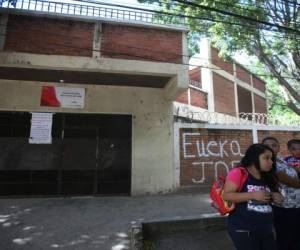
<point>89,222</point>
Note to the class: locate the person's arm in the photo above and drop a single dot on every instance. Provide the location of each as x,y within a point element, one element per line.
<point>277,197</point>
<point>231,194</point>
<point>288,180</point>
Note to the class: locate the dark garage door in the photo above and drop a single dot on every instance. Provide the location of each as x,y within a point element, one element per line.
<point>89,155</point>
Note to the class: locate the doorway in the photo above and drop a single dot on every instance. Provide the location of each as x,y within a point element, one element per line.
<point>90,154</point>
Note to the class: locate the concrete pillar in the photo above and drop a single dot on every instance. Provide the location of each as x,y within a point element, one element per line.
<point>206,72</point>
<point>252,95</point>
<point>97,40</point>
<point>236,99</point>
<point>185,51</point>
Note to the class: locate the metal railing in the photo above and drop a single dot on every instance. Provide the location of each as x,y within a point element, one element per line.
<point>196,84</point>
<point>260,119</point>
<point>92,11</point>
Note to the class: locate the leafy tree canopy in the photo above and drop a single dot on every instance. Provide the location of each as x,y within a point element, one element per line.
<point>266,29</point>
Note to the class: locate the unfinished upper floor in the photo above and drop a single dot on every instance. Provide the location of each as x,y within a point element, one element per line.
<point>53,42</point>
<point>224,87</point>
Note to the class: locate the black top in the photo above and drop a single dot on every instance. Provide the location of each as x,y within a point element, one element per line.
<point>252,215</point>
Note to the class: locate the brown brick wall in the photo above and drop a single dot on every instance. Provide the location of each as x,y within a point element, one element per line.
<point>198,98</point>
<point>224,95</point>
<point>216,60</point>
<point>260,104</point>
<point>243,74</point>
<point>183,97</point>
<point>119,41</point>
<point>209,153</point>
<point>195,74</point>
<point>258,84</point>
<point>49,36</point>
<point>282,136</point>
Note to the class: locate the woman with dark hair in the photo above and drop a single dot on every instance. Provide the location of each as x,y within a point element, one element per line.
<point>250,224</point>
<point>287,214</point>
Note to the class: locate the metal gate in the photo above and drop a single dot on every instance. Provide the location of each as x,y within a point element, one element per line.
<point>89,155</point>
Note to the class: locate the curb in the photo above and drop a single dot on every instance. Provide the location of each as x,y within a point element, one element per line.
<point>152,229</point>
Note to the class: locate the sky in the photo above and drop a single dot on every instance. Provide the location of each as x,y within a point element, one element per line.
<point>122,2</point>
<point>119,1</point>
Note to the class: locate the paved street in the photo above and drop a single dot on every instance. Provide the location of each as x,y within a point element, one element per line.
<point>88,223</point>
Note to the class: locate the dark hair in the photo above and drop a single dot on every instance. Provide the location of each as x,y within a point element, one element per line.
<point>269,138</point>
<point>291,142</point>
<point>252,158</point>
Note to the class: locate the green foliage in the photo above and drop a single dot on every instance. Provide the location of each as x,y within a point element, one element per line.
<point>277,105</point>
<point>267,29</point>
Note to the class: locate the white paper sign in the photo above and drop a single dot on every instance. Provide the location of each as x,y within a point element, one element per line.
<point>70,97</point>
<point>41,127</point>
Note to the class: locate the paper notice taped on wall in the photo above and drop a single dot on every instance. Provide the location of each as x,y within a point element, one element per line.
<point>41,128</point>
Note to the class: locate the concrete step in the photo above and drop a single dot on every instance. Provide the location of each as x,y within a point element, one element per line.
<point>207,232</point>
<point>191,240</point>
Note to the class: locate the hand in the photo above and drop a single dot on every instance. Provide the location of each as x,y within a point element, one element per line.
<point>262,196</point>
<point>277,198</point>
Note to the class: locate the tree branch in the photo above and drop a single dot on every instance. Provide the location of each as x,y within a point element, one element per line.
<point>273,9</point>
<point>296,59</point>
<point>289,104</point>
<point>282,81</point>
<point>293,107</point>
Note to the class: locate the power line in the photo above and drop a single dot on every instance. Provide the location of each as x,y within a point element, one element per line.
<point>151,58</point>
<point>247,18</point>
<point>141,57</point>
<point>197,65</point>
<point>199,18</point>
<point>215,20</point>
<point>166,13</point>
<point>179,15</point>
<point>150,50</point>
<point>283,2</point>
<point>239,6</point>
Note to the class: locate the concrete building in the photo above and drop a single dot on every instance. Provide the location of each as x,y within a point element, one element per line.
<point>223,87</point>
<point>117,75</point>
<point>223,111</point>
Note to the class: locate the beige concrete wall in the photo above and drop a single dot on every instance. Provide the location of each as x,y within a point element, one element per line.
<point>177,72</point>
<point>152,134</point>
